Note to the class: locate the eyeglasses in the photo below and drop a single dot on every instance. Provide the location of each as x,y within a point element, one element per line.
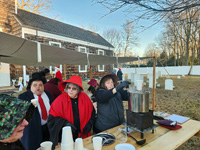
<point>73,88</point>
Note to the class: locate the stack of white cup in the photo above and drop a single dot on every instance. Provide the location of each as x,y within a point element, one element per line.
<point>79,144</point>
<point>139,85</point>
<point>67,142</point>
<point>97,143</point>
<point>47,145</point>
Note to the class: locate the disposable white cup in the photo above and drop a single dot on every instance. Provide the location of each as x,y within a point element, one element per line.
<point>139,85</point>
<point>67,146</point>
<point>97,143</point>
<point>67,135</point>
<point>34,102</point>
<point>47,145</point>
<point>79,144</point>
<point>122,137</point>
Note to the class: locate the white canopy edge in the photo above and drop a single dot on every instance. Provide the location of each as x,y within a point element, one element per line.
<point>16,50</point>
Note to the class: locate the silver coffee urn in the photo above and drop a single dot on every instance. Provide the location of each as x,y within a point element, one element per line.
<point>138,115</point>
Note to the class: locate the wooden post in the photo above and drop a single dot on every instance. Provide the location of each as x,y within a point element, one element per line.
<point>64,72</point>
<point>90,72</point>
<point>154,76</point>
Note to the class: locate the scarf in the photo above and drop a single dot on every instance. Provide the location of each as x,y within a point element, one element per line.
<point>62,107</point>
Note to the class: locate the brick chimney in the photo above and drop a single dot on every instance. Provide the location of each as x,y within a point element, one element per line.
<point>7,10</point>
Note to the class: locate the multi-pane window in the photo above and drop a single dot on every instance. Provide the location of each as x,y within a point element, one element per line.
<point>56,44</point>
<point>82,68</point>
<point>100,67</point>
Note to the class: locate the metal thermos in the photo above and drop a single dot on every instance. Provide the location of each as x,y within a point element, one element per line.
<point>139,101</point>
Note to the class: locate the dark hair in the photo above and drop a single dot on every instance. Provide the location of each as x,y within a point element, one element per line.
<point>36,80</point>
<point>44,71</point>
<point>102,85</point>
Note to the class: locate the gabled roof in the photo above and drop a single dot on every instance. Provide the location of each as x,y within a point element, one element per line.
<point>35,21</point>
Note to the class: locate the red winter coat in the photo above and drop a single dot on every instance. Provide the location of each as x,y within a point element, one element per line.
<point>59,76</point>
<point>62,107</point>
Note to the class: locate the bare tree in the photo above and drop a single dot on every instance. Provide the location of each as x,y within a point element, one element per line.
<point>93,28</point>
<point>198,49</point>
<point>151,6</point>
<point>152,50</point>
<point>129,37</point>
<point>35,6</point>
<point>163,41</point>
<point>156,10</point>
<point>123,40</point>
<point>114,37</point>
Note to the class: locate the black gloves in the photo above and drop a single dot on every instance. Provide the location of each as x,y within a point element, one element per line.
<point>67,123</point>
<point>124,84</point>
<point>87,128</point>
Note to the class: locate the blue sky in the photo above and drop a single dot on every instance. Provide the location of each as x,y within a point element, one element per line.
<point>86,12</point>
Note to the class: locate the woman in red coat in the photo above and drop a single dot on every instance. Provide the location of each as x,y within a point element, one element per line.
<point>72,108</point>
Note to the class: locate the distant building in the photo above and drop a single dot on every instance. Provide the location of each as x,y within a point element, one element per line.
<point>52,32</point>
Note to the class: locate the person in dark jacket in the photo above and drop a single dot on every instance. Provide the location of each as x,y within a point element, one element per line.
<point>45,72</point>
<point>119,74</point>
<point>14,117</point>
<point>92,89</point>
<point>110,110</point>
<point>37,131</point>
<point>72,108</point>
<point>52,87</point>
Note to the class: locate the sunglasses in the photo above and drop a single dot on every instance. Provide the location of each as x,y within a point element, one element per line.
<point>73,88</point>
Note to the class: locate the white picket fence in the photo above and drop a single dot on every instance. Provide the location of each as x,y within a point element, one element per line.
<point>176,70</point>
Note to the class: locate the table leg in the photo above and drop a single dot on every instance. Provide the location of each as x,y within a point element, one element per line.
<point>152,131</point>
<point>142,135</point>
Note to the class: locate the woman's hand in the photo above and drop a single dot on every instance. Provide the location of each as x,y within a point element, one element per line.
<point>124,84</point>
<point>87,128</point>
<point>114,91</point>
<point>67,123</point>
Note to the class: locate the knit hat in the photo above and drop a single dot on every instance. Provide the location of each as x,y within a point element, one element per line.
<point>92,82</point>
<point>74,79</point>
<point>12,112</point>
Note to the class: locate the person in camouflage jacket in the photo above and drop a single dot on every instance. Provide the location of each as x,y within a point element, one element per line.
<point>14,116</point>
